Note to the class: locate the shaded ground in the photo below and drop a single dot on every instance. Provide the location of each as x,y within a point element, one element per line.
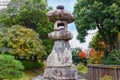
<point>29,74</point>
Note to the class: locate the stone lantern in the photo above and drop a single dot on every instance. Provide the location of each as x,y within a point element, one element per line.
<point>60,59</point>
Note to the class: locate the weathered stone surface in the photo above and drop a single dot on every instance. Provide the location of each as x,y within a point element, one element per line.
<point>60,14</point>
<point>60,59</point>
<point>60,23</point>
<point>59,73</point>
<point>40,77</point>
<point>61,34</point>
<point>60,55</point>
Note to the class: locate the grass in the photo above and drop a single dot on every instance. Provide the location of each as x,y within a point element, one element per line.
<point>29,74</point>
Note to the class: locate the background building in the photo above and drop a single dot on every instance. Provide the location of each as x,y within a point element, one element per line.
<point>3,3</point>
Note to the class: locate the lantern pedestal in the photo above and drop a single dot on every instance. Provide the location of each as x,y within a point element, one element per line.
<point>60,73</point>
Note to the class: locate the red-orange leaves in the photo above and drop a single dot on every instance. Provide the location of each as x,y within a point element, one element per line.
<point>82,55</point>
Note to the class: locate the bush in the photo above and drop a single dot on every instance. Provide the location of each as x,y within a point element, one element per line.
<point>82,68</point>
<point>106,77</point>
<point>75,56</point>
<point>21,41</point>
<point>32,65</point>
<point>10,68</point>
<point>95,60</point>
<point>96,56</point>
<point>113,58</point>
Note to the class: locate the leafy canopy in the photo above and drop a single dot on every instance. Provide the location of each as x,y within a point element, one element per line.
<point>101,14</point>
<point>31,14</point>
<point>98,43</point>
<point>21,41</point>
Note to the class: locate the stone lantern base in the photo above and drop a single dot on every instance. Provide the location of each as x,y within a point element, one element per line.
<point>60,73</point>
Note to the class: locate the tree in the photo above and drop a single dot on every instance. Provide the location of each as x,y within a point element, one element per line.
<point>75,55</point>
<point>101,14</point>
<point>10,68</point>
<point>21,41</point>
<point>96,56</point>
<point>31,14</point>
<point>98,43</point>
<point>114,57</point>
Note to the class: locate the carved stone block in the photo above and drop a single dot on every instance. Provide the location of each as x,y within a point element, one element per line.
<point>60,55</point>
<point>59,73</point>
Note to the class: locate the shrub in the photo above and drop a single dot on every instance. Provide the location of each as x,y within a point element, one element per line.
<point>10,68</point>
<point>82,55</point>
<point>82,68</point>
<point>113,58</point>
<point>21,41</point>
<point>95,60</point>
<point>75,56</point>
<point>96,57</point>
<point>32,65</point>
<point>106,77</point>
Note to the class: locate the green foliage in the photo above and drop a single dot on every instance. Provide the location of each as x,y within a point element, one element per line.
<point>10,68</point>
<point>31,14</point>
<point>82,68</point>
<point>21,41</point>
<point>32,65</point>
<point>94,43</point>
<point>75,55</point>
<point>106,77</point>
<point>113,58</point>
<point>101,14</point>
<point>21,12</point>
<point>95,60</point>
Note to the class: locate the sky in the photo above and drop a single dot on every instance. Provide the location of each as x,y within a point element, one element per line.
<point>69,6</point>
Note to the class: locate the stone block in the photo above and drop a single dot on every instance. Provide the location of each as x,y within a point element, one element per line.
<point>60,73</point>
